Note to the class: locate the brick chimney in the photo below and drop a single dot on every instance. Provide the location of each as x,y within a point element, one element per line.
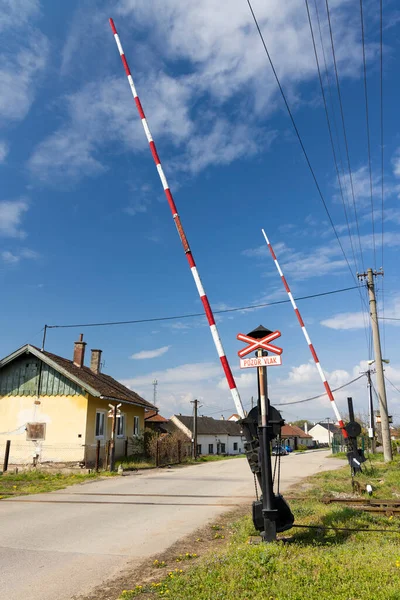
<point>79,351</point>
<point>95,361</point>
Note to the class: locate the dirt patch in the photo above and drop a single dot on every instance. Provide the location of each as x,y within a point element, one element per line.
<point>200,542</point>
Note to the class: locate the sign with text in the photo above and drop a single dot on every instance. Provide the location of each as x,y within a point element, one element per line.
<point>260,361</point>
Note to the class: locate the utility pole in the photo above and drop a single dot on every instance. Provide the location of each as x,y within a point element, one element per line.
<point>196,404</point>
<point>380,378</point>
<point>371,427</point>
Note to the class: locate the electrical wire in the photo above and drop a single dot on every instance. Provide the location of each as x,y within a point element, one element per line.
<point>299,137</point>
<point>334,153</point>
<point>187,316</point>
<point>320,395</point>
<point>344,130</point>
<point>368,129</point>
<point>382,160</point>
<point>330,132</point>
<point>392,384</point>
<point>389,318</point>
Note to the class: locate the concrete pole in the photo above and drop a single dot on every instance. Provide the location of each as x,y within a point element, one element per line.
<point>380,378</point>
<point>371,425</point>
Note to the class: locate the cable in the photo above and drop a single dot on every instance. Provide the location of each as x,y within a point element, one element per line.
<point>368,129</point>
<point>382,160</point>
<point>320,395</point>
<point>389,318</point>
<point>333,148</point>
<point>344,130</point>
<point>299,137</point>
<point>392,384</point>
<point>187,316</point>
<point>330,132</point>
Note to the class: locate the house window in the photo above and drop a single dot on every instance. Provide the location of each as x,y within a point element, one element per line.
<point>235,446</point>
<point>210,448</point>
<point>222,448</point>
<point>136,426</point>
<point>100,424</point>
<point>198,449</point>
<point>121,425</point>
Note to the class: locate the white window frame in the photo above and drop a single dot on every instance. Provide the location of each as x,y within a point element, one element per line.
<point>121,419</point>
<point>136,426</point>
<point>100,411</point>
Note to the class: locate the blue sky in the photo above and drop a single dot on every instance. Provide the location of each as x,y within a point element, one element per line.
<point>86,234</point>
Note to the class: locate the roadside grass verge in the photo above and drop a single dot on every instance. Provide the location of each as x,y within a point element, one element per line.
<point>37,482</point>
<point>133,463</point>
<point>317,564</point>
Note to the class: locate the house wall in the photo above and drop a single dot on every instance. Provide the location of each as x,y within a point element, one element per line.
<point>65,418</point>
<point>228,440</point>
<point>320,434</point>
<point>129,410</point>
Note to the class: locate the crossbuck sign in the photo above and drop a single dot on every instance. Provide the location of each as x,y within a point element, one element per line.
<point>262,344</point>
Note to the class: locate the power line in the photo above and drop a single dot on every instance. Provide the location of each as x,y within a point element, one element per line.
<point>299,136</point>
<point>187,316</point>
<point>389,318</point>
<point>330,132</point>
<point>297,401</point>
<point>392,384</point>
<point>344,129</point>
<point>320,395</point>
<point>382,159</point>
<point>334,152</point>
<point>368,128</point>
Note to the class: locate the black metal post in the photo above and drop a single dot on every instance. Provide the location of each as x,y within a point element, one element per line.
<point>269,533</point>
<point>97,463</point>
<point>6,456</point>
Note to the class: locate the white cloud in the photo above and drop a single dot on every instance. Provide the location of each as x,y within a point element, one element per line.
<point>17,13</point>
<point>13,258</point>
<point>20,70</point>
<point>143,354</point>
<point>355,320</point>
<point>349,320</point>
<point>11,213</point>
<point>396,163</point>
<point>3,150</point>
<point>202,113</point>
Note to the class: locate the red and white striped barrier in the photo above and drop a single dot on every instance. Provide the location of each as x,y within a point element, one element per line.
<point>179,227</point>
<point>312,350</point>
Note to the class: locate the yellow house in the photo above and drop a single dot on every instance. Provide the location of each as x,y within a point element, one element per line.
<point>53,409</point>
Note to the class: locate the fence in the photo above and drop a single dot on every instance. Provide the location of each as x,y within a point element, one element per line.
<point>160,449</point>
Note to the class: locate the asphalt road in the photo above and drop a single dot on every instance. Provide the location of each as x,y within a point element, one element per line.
<point>63,544</point>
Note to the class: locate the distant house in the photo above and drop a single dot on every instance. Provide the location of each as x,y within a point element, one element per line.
<point>323,432</point>
<point>153,420</point>
<point>292,436</point>
<point>234,417</point>
<point>213,436</point>
<point>56,409</point>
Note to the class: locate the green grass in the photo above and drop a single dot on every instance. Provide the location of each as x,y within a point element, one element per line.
<point>213,458</point>
<point>132,463</point>
<point>311,564</point>
<point>37,482</point>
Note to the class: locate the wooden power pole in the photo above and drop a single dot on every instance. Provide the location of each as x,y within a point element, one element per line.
<point>380,378</point>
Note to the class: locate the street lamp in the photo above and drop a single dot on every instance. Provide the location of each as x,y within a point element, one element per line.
<point>385,360</point>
